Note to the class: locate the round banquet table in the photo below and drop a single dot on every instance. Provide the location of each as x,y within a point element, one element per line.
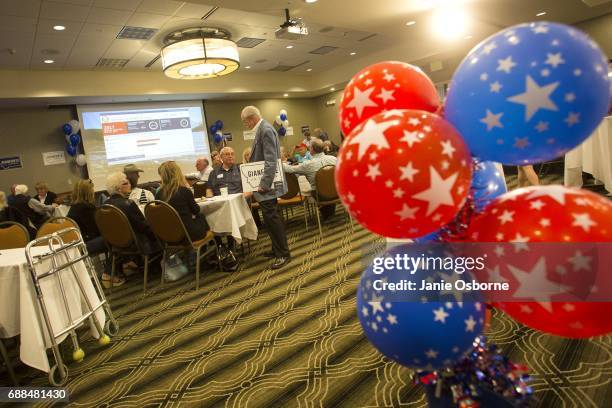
<point>229,215</point>
<point>19,309</point>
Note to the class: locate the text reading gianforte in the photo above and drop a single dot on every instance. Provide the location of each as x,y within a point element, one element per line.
<point>411,264</point>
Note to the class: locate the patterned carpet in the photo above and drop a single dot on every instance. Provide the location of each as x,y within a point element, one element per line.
<point>263,338</point>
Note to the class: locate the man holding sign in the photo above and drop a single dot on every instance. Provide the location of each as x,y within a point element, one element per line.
<point>266,149</point>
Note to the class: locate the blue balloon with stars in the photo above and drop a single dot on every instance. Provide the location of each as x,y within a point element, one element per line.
<point>417,328</point>
<point>488,182</point>
<point>529,93</point>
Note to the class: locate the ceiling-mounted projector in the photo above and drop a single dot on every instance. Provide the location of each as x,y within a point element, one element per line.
<point>291,29</point>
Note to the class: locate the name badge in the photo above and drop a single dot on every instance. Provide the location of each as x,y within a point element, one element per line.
<point>220,175</point>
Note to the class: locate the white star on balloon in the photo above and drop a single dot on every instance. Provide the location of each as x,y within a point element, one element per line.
<point>492,120</point>
<point>545,222</point>
<point>535,97</point>
<point>507,216</point>
<point>373,171</point>
<point>398,193</point>
<point>386,95</point>
<point>536,205</point>
<point>542,126</point>
<point>350,197</point>
<point>556,192</point>
<point>439,191</point>
<point>411,137</point>
<point>536,281</point>
<point>488,48</point>
<point>572,119</point>
<point>392,319</point>
<point>495,87</point>
<point>570,97</point>
<point>447,148</point>
<point>392,113</point>
<point>431,353</point>
<point>554,60</point>
<point>470,324</point>
<point>414,121</point>
<point>440,315</point>
<point>583,221</point>
<point>372,134</point>
<point>389,77</point>
<point>506,64</point>
<point>376,306</point>
<point>406,212</point>
<point>495,274</point>
<point>540,29</point>
<point>361,100</point>
<point>408,172</point>
<point>580,261</point>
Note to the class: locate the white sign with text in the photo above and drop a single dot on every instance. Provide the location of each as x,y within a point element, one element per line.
<point>251,174</point>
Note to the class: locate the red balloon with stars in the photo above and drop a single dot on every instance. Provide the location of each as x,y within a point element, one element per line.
<point>403,173</point>
<point>551,276</point>
<point>384,86</point>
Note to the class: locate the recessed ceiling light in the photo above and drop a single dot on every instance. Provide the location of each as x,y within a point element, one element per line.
<point>353,53</point>
<point>309,69</point>
<point>450,22</point>
<point>310,1</point>
<point>411,23</point>
<point>540,14</point>
<point>289,46</point>
<point>247,67</point>
<point>48,61</point>
<point>286,95</point>
<point>59,27</point>
<point>332,89</point>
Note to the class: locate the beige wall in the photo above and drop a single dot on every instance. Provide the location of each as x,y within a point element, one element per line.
<point>328,115</point>
<point>300,112</point>
<point>28,133</point>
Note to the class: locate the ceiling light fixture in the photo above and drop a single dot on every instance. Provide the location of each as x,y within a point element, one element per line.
<point>309,69</point>
<point>450,22</point>
<point>411,23</point>
<point>198,53</point>
<point>247,67</point>
<point>59,27</point>
<point>540,14</point>
<point>289,46</point>
<point>48,61</point>
<point>353,53</point>
<point>286,95</point>
<point>310,1</point>
<point>332,89</point>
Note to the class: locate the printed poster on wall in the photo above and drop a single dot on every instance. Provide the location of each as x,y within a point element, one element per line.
<point>11,162</point>
<point>289,131</point>
<point>51,158</point>
<point>228,136</point>
<point>305,128</point>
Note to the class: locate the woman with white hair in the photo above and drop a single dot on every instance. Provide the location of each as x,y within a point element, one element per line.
<point>119,188</point>
<point>36,211</point>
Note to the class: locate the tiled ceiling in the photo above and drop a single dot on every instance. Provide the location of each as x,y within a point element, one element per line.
<point>364,27</point>
<point>27,37</point>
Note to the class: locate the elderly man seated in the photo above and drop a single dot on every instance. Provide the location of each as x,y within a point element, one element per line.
<point>203,168</point>
<point>310,167</point>
<point>226,176</point>
<point>138,195</point>
<point>36,211</point>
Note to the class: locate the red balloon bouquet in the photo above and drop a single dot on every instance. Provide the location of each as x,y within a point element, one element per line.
<point>403,173</point>
<point>552,277</point>
<point>385,86</point>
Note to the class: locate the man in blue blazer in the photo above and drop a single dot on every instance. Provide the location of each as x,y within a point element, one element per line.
<point>266,148</point>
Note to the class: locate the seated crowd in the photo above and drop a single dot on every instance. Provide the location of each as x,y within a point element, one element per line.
<point>222,178</point>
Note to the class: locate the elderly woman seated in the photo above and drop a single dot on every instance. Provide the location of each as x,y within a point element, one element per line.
<point>36,211</point>
<point>119,188</point>
<point>43,194</point>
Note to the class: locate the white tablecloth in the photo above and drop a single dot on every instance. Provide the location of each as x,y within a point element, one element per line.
<point>19,309</point>
<point>593,156</point>
<point>229,215</point>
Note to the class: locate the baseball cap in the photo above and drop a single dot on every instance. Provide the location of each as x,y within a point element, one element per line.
<point>131,168</point>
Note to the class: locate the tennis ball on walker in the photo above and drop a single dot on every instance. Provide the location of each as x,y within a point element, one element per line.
<point>104,340</point>
<point>78,355</point>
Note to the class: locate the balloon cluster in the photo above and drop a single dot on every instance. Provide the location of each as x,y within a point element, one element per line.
<point>412,168</point>
<point>73,139</point>
<point>483,370</point>
<point>281,123</point>
<point>217,131</point>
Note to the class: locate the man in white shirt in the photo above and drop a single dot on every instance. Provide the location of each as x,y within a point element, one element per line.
<point>203,168</point>
<point>138,195</point>
<point>310,167</point>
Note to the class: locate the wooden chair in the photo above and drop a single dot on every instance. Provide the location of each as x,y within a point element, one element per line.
<point>56,224</point>
<point>199,189</point>
<point>170,230</point>
<point>13,235</point>
<point>293,196</point>
<point>116,230</point>
<point>325,191</point>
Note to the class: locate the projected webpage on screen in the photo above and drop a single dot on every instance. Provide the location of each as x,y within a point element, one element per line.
<point>145,134</point>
